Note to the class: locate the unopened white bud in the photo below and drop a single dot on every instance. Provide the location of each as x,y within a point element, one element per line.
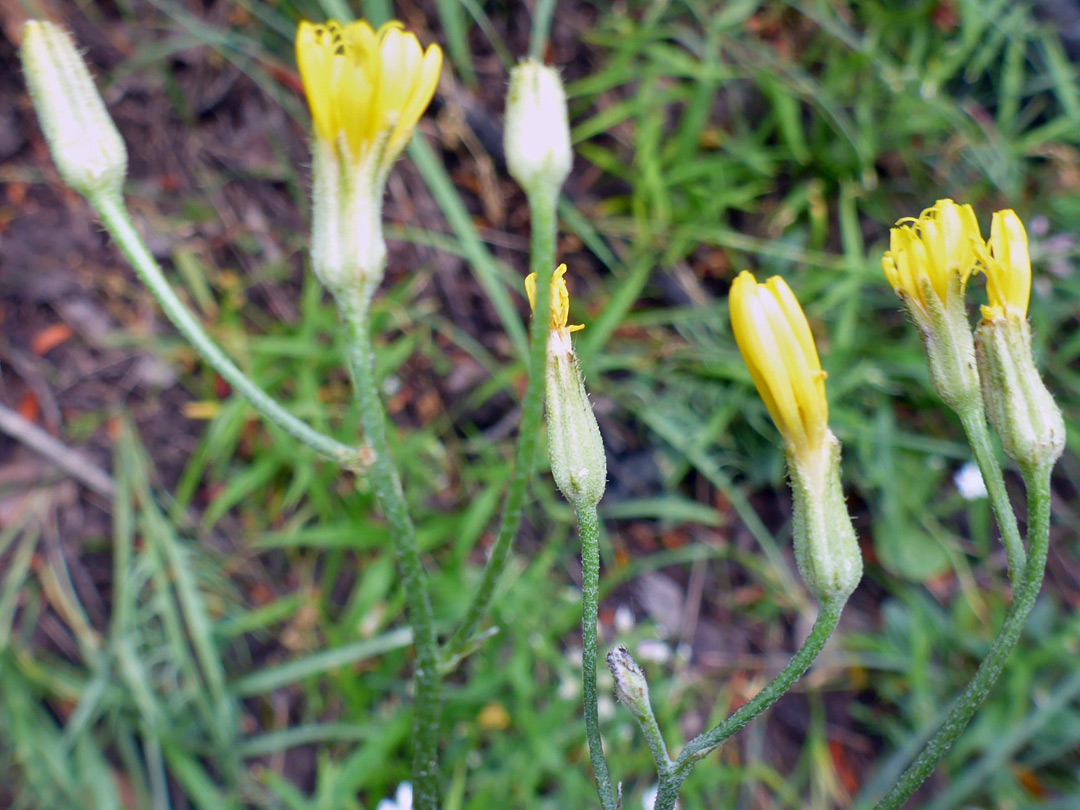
<point>537,134</point>
<point>631,688</point>
<point>85,144</point>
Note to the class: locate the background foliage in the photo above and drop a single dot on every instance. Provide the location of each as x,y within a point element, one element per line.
<point>230,636</point>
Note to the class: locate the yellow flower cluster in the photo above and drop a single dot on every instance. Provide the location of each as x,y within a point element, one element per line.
<point>943,245</point>
<point>937,245</point>
<point>366,88</point>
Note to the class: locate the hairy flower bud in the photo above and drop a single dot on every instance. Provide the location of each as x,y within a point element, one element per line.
<point>348,251</point>
<point>929,261</point>
<point>537,135</point>
<point>1018,405</point>
<point>775,341</point>
<point>576,450</point>
<point>84,142</point>
<point>631,688</point>
<point>826,548</point>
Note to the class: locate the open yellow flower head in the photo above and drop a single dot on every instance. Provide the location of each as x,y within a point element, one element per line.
<point>560,300</point>
<point>1007,267</point>
<point>778,348</point>
<point>937,245</point>
<point>366,88</point>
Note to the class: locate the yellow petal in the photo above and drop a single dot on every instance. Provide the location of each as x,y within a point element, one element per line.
<point>776,343</point>
<point>1008,266</point>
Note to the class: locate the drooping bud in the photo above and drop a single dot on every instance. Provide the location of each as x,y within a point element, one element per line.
<point>576,450</point>
<point>537,134</point>
<point>84,142</point>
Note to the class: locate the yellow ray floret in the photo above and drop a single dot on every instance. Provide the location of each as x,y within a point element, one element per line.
<point>364,85</point>
<point>560,299</point>
<point>778,348</point>
<point>937,245</point>
<point>1007,266</point>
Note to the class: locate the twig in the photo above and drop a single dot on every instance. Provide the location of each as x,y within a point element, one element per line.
<point>70,461</point>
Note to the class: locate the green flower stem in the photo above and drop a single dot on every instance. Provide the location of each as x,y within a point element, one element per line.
<point>589,529</point>
<point>655,740</point>
<point>542,262</point>
<point>384,478</point>
<point>974,422</point>
<point>707,741</point>
<point>1037,482</point>
<point>118,223</point>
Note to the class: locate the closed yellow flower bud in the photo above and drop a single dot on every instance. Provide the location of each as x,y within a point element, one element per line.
<point>1007,266</point>
<point>1018,404</point>
<point>778,348</point>
<point>776,343</point>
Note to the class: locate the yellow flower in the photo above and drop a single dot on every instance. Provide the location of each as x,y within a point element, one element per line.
<point>778,348</point>
<point>938,245</point>
<point>1007,267</point>
<point>560,300</point>
<point>366,88</point>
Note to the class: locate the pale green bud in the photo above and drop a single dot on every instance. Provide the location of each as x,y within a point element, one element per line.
<point>631,688</point>
<point>950,350</point>
<point>537,135</point>
<point>348,252</point>
<point>84,142</point>
<point>826,548</point>
<point>578,463</point>
<point>1018,405</point>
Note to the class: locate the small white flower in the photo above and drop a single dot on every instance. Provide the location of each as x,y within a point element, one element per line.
<point>969,482</point>
<point>402,799</point>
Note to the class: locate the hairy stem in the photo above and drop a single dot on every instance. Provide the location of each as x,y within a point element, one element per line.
<point>117,222</point>
<point>707,741</point>
<point>589,529</point>
<point>1037,482</point>
<point>387,485</point>
<point>542,262</point>
<point>974,422</point>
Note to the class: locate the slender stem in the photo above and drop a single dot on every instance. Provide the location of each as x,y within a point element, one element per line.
<point>384,478</point>
<point>974,422</point>
<point>542,262</point>
<point>1037,482</point>
<point>589,529</point>
<point>117,222</point>
<point>655,740</point>
<point>707,741</point>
